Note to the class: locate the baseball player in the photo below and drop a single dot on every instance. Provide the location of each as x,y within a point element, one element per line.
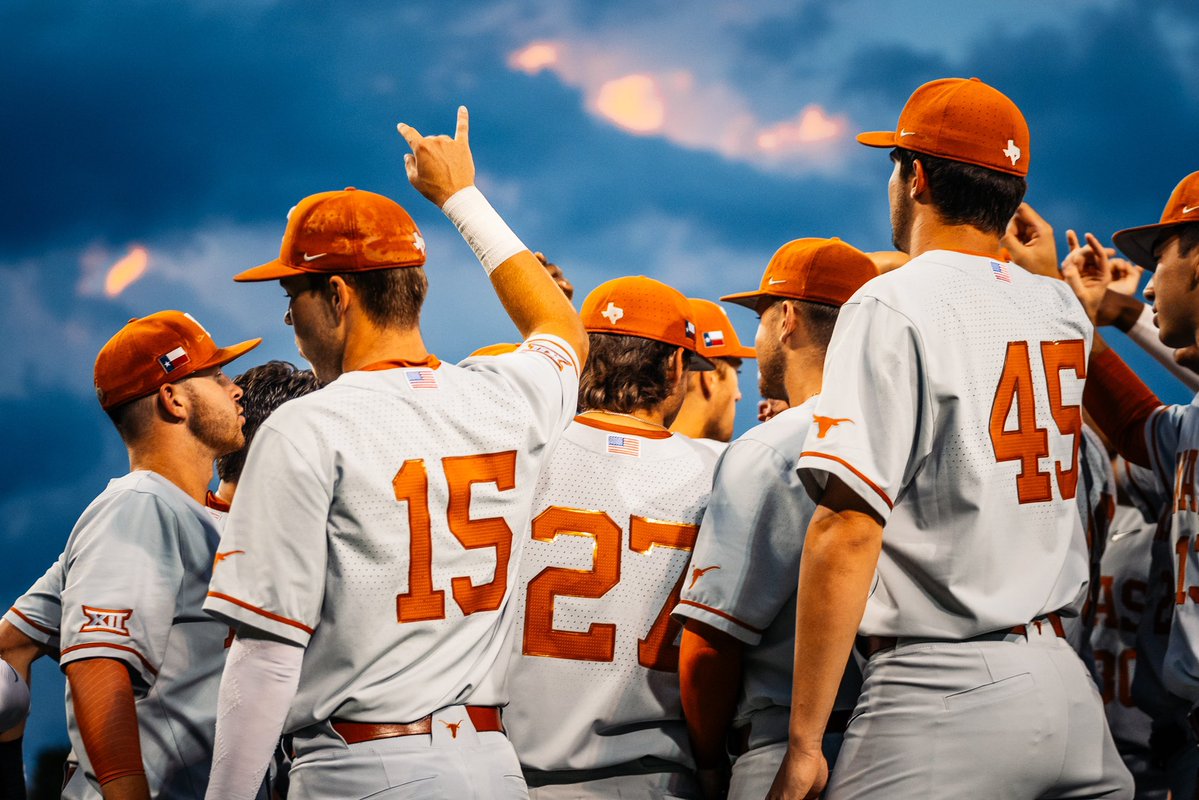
<point>30,629</point>
<point>1121,603</point>
<point>370,560</point>
<point>710,405</point>
<point>142,661</point>
<point>14,706</point>
<point>595,706</point>
<point>738,604</point>
<point>953,385</point>
<point>1162,438</point>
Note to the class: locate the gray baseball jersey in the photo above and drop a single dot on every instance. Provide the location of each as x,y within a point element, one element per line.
<point>951,403</point>
<point>377,525</point>
<point>38,612</point>
<point>1172,437</point>
<point>594,678</point>
<point>135,573</point>
<point>1096,504</point>
<point>744,570</point>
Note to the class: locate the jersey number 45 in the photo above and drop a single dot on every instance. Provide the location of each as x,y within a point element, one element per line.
<point>1029,442</point>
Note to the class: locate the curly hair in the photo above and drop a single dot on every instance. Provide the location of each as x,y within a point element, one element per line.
<point>625,373</point>
<point>264,388</point>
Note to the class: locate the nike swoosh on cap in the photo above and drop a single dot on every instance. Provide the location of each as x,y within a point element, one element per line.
<point>903,133</point>
<point>774,281</point>
<point>315,257</point>
<point>1189,209</point>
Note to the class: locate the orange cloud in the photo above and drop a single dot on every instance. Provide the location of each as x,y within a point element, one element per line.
<point>633,102</point>
<point>811,125</point>
<point>534,58</point>
<point>126,271</point>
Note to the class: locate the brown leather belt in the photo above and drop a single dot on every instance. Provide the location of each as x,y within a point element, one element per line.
<point>486,719</point>
<point>738,741</point>
<point>869,646</point>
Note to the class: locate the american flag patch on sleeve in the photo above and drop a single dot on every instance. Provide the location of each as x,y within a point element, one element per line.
<point>421,378</point>
<point>624,445</point>
<point>1001,272</point>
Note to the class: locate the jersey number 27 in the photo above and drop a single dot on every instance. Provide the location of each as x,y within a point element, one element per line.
<point>1029,442</point>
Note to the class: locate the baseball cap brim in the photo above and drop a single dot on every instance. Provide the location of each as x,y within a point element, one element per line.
<point>737,352</point>
<point>270,271</point>
<point>747,299</point>
<point>697,363</point>
<point>226,354</point>
<point>1137,243</point>
<point>878,139</point>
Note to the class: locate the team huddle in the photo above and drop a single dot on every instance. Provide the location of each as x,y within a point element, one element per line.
<point>546,572</point>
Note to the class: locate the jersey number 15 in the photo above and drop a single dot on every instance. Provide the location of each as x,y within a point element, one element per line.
<point>1029,442</point>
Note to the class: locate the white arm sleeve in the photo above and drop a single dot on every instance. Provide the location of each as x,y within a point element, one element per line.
<point>1144,334</point>
<point>257,687</point>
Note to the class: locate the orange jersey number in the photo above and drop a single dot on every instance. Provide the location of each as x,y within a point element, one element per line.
<point>657,650</point>
<point>1029,443</point>
<point>422,602</point>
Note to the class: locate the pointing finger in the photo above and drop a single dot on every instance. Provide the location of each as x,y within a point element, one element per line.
<point>462,131</point>
<point>411,135</point>
<point>1072,239</point>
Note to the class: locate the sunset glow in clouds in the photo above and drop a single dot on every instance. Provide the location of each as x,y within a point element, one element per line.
<point>681,109</point>
<point>126,271</point>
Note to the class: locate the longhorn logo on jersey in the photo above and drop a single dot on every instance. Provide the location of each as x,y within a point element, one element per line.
<point>106,620</point>
<point>826,424</point>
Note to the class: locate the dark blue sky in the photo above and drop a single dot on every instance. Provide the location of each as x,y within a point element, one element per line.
<point>620,138</point>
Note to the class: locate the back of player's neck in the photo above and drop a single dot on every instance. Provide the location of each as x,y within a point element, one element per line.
<point>383,344</point>
<point>651,419</point>
<point>930,233</point>
<point>189,468</point>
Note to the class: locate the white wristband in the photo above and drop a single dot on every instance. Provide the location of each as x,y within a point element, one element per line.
<point>482,228</point>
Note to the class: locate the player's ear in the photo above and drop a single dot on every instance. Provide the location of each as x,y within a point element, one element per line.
<point>340,295</point>
<point>788,320</point>
<point>918,184</point>
<point>172,402</point>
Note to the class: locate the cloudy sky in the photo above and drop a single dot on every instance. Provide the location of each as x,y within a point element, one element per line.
<point>686,142</point>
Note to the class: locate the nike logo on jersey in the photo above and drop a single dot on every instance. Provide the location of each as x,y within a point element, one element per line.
<point>1189,209</point>
<point>453,726</point>
<point>697,573</point>
<point>106,620</point>
<point>826,424</point>
<point>1012,151</point>
<point>315,257</point>
<point>219,557</point>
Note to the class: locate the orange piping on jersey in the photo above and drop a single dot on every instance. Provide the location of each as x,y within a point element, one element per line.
<point>720,613</point>
<point>566,350</point>
<point>261,611</point>
<point>216,502</point>
<point>42,628</point>
<point>430,361</point>
<point>645,433</point>
<point>852,469</point>
<point>85,645</point>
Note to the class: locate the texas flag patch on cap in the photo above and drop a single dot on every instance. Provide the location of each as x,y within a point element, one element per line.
<point>713,338</point>
<point>173,360</point>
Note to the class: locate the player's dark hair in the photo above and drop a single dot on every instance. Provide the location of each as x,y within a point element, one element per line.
<point>390,297</point>
<point>132,419</point>
<point>625,373</point>
<point>820,319</point>
<point>1188,237</point>
<point>264,388</point>
<point>965,194</point>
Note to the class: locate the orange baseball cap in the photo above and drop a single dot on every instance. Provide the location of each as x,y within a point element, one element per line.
<point>346,231</point>
<point>962,120</point>
<point>1181,209</point>
<point>825,271</point>
<point>646,308</point>
<point>162,348</point>
<point>717,338</point>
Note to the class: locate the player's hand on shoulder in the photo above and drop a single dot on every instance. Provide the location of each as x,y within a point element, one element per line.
<point>1088,270</point>
<point>439,166</point>
<point>802,775</point>
<point>1029,238</point>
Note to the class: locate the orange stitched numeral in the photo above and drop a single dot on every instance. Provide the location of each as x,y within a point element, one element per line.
<point>422,602</point>
<point>1029,443</point>
<point>541,638</point>
<point>1180,550</point>
<point>461,473</point>
<point>598,643</point>
<point>1057,356</point>
<point>658,649</point>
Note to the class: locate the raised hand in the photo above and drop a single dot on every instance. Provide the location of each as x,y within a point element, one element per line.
<point>439,166</point>
<point>1029,238</point>
<point>1126,276</point>
<point>1088,271</point>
